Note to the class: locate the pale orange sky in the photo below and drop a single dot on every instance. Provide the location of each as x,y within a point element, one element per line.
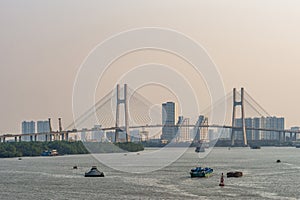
<point>255,44</point>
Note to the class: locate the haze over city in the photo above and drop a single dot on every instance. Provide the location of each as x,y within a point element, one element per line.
<point>254,44</point>
<point>131,99</point>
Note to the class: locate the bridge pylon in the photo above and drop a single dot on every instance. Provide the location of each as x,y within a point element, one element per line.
<point>124,101</point>
<point>243,127</point>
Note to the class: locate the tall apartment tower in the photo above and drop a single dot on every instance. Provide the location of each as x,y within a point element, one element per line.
<point>43,126</point>
<point>28,127</point>
<point>168,121</point>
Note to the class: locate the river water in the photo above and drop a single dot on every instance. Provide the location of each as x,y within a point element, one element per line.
<point>55,178</point>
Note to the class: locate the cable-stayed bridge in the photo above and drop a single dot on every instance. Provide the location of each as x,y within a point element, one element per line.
<point>109,116</point>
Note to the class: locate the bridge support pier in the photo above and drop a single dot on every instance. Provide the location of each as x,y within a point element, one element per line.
<point>243,127</point>
<point>3,139</point>
<point>16,139</point>
<point>125,102</point>
<point>31,138</point>
<point>20,138</point>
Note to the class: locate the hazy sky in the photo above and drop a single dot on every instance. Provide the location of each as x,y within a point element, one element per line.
<point>254,43</point>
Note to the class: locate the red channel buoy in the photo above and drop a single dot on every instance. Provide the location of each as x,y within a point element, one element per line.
<point>222,181</point>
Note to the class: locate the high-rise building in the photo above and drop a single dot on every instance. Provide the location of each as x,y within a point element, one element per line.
<point>135,136</point>
<point>110,135</point>
<point>256,122</point>
<point>43,127</point>
<point>168,121</point>
<point>274,123</point>
<point>249,133</point>
<point>84,135</point>
<point>98,134</point>
<point>295,128</point>
<point>28,127</point>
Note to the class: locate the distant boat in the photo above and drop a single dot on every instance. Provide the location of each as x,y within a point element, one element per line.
<point>201,172</point>
<point>94,172</point>
<point>200,149</point>
<point>255,147</point>
<point>297,146</point>
<point>50,153</point>
<point>234,174</point>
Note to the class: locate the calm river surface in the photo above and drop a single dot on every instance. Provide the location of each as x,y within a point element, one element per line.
<point>54,177</point>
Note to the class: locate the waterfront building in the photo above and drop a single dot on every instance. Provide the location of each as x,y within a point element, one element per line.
<point>256,122</point>
<point>43,127</point>
<point>135,135</point>
<point>110,135</point>
<point>276,123</point>
<point>144,135</point>
<point>168,121</point>
<point>28,127</point>
<point>249,133</point>
<point>84,135</point>
<point>295,128</point>
<point>98,134</point>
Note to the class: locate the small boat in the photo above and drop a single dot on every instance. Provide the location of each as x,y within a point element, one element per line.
<point>298,146</point>
<point>19,158</point>
<point>278,161</point>
<point>75,167</point>
<point>199,149</point>
<point>94,172</point>
<point>234,174</point>
<point>201,172</point>
<point>255,147</point>
<point>50,153</point>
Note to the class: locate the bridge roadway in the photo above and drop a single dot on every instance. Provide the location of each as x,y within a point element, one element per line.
<point>63,135</point>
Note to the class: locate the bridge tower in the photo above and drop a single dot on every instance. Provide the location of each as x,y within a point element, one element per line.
<point>125,102</point>
<point>243,127</point>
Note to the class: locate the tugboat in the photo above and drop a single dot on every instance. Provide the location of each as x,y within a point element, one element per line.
<point>255,147</point>
<point>234,174</point>
<point>94,172</point>
<point>201,172</point>
<point>200,149</point>
<point>50,153</point>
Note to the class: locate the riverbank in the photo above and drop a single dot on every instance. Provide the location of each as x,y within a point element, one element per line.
<point>19,149</point>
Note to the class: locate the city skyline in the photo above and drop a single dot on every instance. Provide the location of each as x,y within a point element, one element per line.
<point>169,116</point>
